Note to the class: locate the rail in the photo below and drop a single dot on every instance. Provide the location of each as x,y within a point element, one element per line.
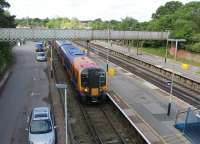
<point>182,80</point>
<point>91,127</point>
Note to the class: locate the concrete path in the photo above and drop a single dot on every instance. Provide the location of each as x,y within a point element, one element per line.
<point>26,88</point>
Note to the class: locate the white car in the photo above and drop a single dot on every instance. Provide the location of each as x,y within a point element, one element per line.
<point>41,56</point>
<point>41,126</point>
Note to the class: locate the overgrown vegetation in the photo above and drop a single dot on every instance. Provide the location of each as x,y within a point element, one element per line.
<point>6,21</point>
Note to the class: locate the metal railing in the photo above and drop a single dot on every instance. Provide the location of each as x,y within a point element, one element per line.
<point>14,34</point>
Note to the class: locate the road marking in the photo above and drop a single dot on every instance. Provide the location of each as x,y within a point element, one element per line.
<point>36,79</point>
<point>34,94</point>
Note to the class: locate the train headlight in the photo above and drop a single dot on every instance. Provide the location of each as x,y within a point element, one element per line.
<point>86,89</point>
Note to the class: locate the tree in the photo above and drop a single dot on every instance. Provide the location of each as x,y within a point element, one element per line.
<point>98,24</point>
<point>194,16</point>
<point>128,23</point>
<point>3,4</point>
<point>6,20</point>
<point>168,9</point>
<point>183,21</point>
<point>182,29</point>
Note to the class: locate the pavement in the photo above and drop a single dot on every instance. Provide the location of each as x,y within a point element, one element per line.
<point>171,64</point>
<point>58,112</point>
<point>27,87</point>
<point>148,102</point>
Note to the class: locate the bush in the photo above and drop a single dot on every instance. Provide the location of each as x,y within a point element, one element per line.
<point>2,63</point>
<point>5,55</point>
<point>194,48</point>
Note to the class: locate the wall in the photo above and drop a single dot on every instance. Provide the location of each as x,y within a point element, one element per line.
<point>185,54</point>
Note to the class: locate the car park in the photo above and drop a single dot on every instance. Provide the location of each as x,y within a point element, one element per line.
<point>41,129</point>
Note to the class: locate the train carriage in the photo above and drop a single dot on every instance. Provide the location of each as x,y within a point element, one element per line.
<point>86,76</point>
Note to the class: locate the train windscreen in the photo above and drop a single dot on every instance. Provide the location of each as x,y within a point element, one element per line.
<point>93,78</point>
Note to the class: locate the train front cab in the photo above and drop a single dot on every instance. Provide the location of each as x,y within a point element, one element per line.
<point>93,85</point>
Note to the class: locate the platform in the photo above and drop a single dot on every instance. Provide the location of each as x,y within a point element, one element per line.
<point>145,105</point>
<point>171,65</point>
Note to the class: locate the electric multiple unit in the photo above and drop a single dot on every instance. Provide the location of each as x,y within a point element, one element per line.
<point>87,77</point>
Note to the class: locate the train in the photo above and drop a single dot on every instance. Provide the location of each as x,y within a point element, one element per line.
<point>87,77</point>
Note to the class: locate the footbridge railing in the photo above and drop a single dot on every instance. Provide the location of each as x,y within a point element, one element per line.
<point>13,34</point>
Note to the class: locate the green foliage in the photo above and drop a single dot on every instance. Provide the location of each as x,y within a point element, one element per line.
<point>194,47</point>
<point>128,23</point>
<point>59,22</point>
<point>182,29</point>
<point>99,24</point>
<point>4,4</point>
<point>155,51</point>
<point>31,22</point>
<point>182,20</point>
<point>5,55</point>
<point>195,37</point>
<point>168,9</point>
<point>153,25</point>
<point>6,21</point>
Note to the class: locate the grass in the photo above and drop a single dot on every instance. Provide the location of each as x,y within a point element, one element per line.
<point>161,52</point>
<point>155,51</point>
<point>198,72</point>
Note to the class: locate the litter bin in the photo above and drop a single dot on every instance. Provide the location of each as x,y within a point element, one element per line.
<point>111,71</point>
<point>185,66</point>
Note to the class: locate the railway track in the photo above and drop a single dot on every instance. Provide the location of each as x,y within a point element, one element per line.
<point>101,127</point>
<point>189,95</point>
<point>99,124</point>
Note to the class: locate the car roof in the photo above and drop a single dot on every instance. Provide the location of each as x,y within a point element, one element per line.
<point>40,113</point>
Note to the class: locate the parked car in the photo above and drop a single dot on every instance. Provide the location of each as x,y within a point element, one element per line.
<point>41,128</point>
<point>41,56</point>
<point>39,47</point>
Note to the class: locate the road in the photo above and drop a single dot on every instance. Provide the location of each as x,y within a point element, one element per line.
<point>26,88</point>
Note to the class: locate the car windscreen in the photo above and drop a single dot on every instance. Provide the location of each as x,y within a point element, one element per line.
<point>40,126</point>
<point>41,54</point>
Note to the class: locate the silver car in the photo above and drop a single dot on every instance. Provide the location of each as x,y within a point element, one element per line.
<point>41,126</point>
<point>41,56</point>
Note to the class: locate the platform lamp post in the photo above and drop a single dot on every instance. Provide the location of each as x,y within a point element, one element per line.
<point>107,56</point>
<point>51,61</point>
<point>64,86</point>
<point>129,45</point>
<point>172,78</point>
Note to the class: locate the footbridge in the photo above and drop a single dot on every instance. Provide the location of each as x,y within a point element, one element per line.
<point>14,34</point>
